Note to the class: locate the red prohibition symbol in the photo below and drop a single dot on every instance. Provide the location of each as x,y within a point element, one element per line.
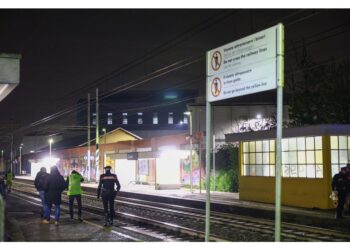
<point>216,60</point>
<point>215,86</point>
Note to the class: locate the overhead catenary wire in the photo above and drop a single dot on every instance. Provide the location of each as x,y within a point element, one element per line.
<point>116,90</point>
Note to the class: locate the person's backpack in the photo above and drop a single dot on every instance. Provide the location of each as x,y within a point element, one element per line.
<point>41,182</point>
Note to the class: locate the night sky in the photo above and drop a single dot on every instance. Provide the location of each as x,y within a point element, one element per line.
<point>65,51</point>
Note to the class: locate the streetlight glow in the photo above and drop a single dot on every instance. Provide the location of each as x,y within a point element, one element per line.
<point>50,142</point>
<point>191,146</point>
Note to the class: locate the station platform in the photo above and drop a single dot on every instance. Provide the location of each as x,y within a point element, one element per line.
<point>229,202</point>
<point>23,224</point>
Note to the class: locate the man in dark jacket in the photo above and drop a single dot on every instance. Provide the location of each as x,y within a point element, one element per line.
<point>339,184</point>
<point>107,186</point>
<point>54,187</point>
<point>39,184</point>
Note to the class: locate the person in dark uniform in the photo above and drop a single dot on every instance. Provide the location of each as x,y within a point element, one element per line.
<point>339,184</point>
<point>106,189</point>
<point>348,188</point>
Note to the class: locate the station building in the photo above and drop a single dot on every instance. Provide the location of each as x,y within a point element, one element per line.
<point>161,161</point>
<point>310,157</point>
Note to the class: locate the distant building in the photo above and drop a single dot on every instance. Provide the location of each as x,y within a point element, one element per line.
<point>145,113</point>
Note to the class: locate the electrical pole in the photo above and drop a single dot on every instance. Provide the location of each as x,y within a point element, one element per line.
<point>97,152</point>
<point>89,139</point>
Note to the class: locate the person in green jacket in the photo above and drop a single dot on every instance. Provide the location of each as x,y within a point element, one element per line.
<point>74,192</point>
<point>9,178</point>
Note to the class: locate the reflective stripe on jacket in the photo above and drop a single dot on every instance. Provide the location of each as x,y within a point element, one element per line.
<point>74,187</point>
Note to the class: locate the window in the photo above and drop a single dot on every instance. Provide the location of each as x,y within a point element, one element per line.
<point>109,118</point>
<point>139,118</point>
<point>301,157</point>
<point>125,118</point>
<point>94,118</point>
<point>170,118</point>
<point>155,118</point>
<point>185,119</point>
<point>340,152</point>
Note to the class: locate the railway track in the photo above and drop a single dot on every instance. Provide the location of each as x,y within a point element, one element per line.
<point>190,222</point>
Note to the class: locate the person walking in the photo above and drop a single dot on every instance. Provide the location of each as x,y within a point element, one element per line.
<point>106,189</point>
<point>9,178</point>
<point>339,185</point>
<point>54,186</point>
<point>2,186</point>
<point>39,184</point>
<point>74,192</point>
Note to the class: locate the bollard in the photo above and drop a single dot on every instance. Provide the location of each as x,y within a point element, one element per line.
<point>2,219</point>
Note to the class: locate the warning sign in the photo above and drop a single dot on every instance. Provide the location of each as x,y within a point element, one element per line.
<point>243,67</point>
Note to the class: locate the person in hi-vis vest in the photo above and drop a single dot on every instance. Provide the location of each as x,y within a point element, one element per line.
<point>74,192</point>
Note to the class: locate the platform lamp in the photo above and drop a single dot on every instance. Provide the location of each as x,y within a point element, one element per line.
<point>20,159</point>
<point>50,142</point>
<point>104,147</point>
<point>191,163</point>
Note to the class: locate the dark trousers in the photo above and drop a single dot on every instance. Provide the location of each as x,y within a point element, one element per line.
<point>341,202</point>
<point>71,202</point>
<point>108,199</point>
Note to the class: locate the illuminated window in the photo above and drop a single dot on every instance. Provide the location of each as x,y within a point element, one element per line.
<point>94,118</point>
<point>301,157</point>
<point>185,119</point>
<point>340,152</point>
<point>125,118</point>
<point>109,118</point>
<point>155,118</point>
<point>170,118</point>
<point>139,118</point>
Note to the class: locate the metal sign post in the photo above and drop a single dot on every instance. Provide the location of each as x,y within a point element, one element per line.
<point>280,84</point>
<point>246,66</point>
<point>207,164</point>
<point>214,170</point>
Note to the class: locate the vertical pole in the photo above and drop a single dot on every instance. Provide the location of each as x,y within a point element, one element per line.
<point>214,170</point>
<point>200,165</point>
<point>2,160</point>
<point>207,162</point>
<point>11,153</point>
<point>104,148</point>
<point>2,219</point>
<point>88,139</point>
<point>50,148</point>
<point>97,152</point>
<point>20,160</point>
<point>191,156</point>
<point>280,83</point>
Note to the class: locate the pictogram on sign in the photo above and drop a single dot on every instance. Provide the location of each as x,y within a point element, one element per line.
<point>216,60</point>
<point>216,87</point>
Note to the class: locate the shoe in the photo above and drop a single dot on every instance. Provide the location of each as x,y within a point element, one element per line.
<point>45,221</point>
<point>71,218</point>
<point>80,219</point>
<point>111,223</point>
<point>106,224</point>
<point>56,223</point>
